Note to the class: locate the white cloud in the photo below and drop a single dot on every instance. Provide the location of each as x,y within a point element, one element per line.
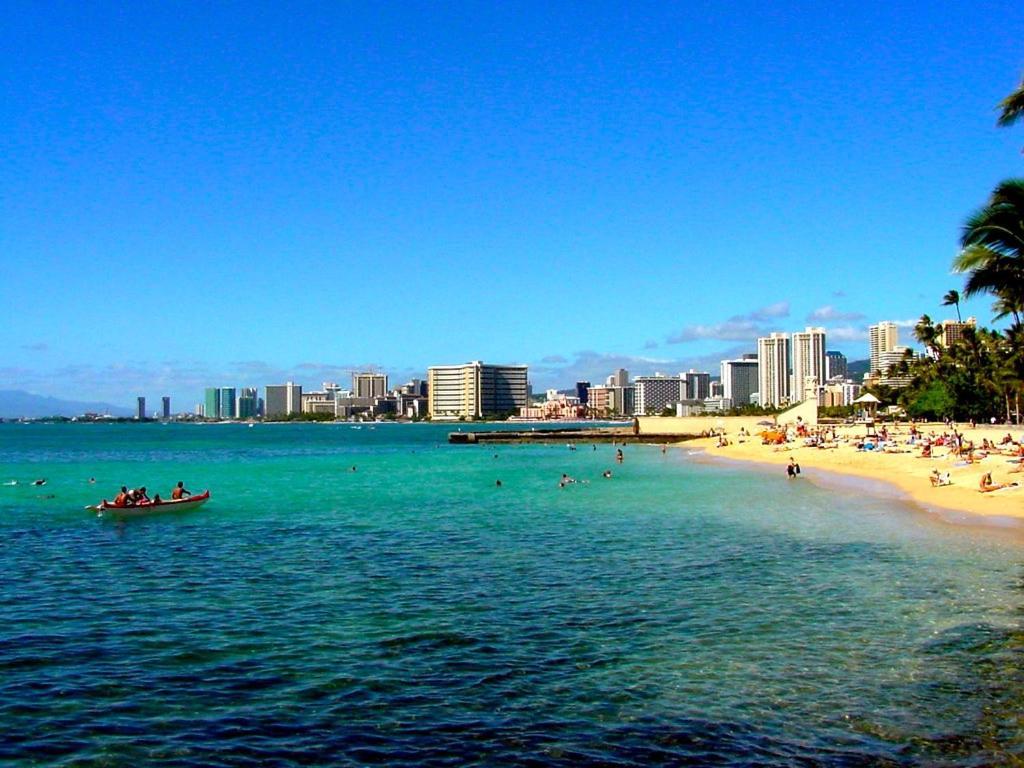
<point>828,313</point>
<point>846,333</point>
<point>736,328</point>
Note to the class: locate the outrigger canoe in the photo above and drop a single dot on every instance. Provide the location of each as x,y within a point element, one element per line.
<point>152,507</point>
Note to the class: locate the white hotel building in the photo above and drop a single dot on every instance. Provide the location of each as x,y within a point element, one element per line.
<point>475,390</point>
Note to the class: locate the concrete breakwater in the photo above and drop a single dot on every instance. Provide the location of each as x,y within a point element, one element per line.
<point>624,435</point>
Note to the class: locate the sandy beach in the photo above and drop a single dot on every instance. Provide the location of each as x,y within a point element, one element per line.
<point>900,465</point>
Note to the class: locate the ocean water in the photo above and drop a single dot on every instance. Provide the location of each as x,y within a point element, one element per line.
<point>361,596</point>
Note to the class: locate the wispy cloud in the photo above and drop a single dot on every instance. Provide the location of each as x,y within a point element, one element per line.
<point>553,360</point>
<point>650,344</point>
<point>736,328</point>
<point>829,314</point>
<point>39,346</point>
<point>846,333</point>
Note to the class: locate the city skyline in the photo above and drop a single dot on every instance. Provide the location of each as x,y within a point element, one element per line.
<point>249,198</point>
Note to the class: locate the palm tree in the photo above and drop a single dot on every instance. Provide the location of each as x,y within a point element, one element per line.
<point>926,333</point>
<point>952,299</point>
<point>1011,109</point>
<point>992,247</point>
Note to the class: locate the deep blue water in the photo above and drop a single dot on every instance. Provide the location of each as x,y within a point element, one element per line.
<point>412,612</point>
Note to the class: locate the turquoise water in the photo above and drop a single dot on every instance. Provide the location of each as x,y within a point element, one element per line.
<point>412,612</point>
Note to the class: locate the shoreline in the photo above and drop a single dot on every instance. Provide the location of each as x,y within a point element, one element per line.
<point>903,476</point>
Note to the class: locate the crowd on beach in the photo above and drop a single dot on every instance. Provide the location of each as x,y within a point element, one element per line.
<point>947,452</point>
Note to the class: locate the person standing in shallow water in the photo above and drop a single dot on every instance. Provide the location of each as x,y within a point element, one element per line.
<point>792,469</point>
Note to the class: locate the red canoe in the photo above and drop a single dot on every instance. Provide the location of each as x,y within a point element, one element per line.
<point>152,507</point>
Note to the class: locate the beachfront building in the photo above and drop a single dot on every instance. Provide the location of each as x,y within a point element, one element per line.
<point>211,403</point>
<point>583,392</point>
<point>887,363</point>
<point>656,393</point>
<point>165,407</point>
<point>773,370</point>
<point>140,408</point>
<point>369,385</point>
<point>836,366</point>
<point>247,406</point>
<point>556,407</point>
<point>739,380</point>
<point>282,400</point>
<point>600,400</point>
<point>698,384</point>
<point>475,390</point>
<point>808,363</point>
<point>881,338</point>
<point>951,331</point>
<point>619,379</point>
<point>838,393</point>
<point>227,403</point>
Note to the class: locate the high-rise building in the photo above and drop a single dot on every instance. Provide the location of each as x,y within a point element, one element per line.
<point>282,400</point>
<point>165,403</point>
<point>583,392</point>
<point>951,331</point>
<point>248,403</point>
<point>140,408</point>
<point>619,379</point>
<point>698,384</point>
<point>835,365</point>
<point>211,403</point>
<point>227,403</point>
<point>475,390</point>
<point>881,338</point>
<point>656,393</point>
<point>773,370</point>
<point>369,384</point>
<point>808,363</point>
<point>739,380</point>
<point>888,362</point>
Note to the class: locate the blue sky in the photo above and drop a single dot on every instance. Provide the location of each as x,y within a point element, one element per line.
<point>235,194</point>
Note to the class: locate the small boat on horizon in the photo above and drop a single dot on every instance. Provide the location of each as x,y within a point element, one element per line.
<point>107,509</point>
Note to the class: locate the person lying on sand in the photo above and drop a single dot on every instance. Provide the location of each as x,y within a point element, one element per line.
<point>985,485</point>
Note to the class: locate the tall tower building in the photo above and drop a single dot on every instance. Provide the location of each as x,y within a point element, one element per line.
<point>140,408</point>
<point>808,363</point>
<point>739,379</point>
<point>369,385</point>
<point>282,400</point>
<point>773,369</point>
<point>165,406</point>
<point>619,379</point>
<point>248,400</point>
<point>881,338</point>
<point>475,390</point>
<point>227,403</point>
<point>211,403</point>
<point>951,331</point>
<point>698,384</point>
<point>835,365</point>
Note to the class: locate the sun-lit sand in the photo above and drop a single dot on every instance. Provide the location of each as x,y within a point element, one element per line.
<point>902,467</point>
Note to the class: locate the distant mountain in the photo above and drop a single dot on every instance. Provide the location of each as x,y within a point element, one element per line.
<point>856,369</point>
<point>17,404</point>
